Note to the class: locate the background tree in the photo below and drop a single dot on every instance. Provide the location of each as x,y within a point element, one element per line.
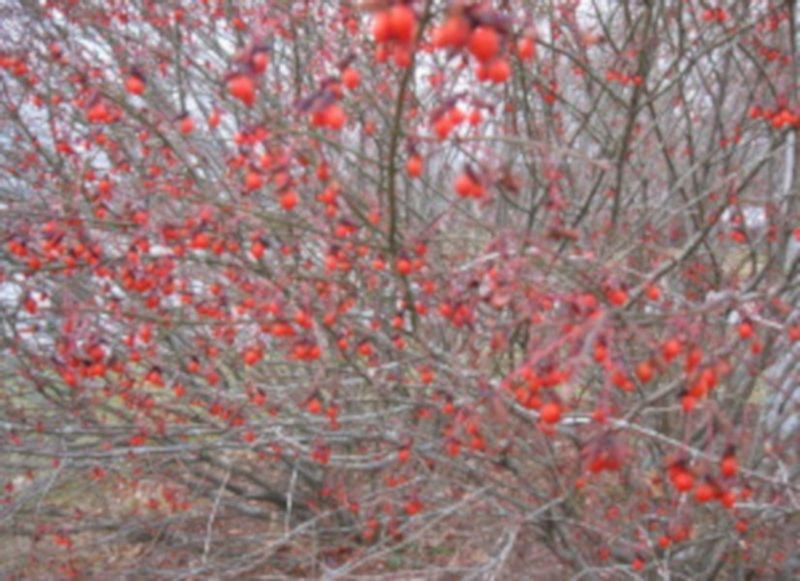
<point>427,288</point>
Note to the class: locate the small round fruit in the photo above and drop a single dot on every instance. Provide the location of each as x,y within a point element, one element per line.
<point>464,185</point>
<point>351,78</point>
<point>499,71</point>
<point>644,371</point>
<point>414,166</point>
<point>243,88</point>
<point>526,49</point>
<point>402,23</point>
<point>381,27</point>
<point>729,466</point>
<point>704,493</point>
<point>135,85</point>
<point>550,413</point>
<point>484,43</point>
<point>683,481</point>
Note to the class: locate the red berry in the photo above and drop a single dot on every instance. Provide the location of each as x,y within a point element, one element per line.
<point>402,23</point>
<point>653,292</point>
<point>381,27</point>
<point>550,413</point>
<point>381,53</point>
<point>443,127</point>
<point>134,84</point>
<point>728,499</point>
<point>746,330</point>
<point>351,78</point>
<point>644,371</point>
<point>243,88</point>
<point>683,481</point>
<point>453,33</point>
<point>482,72</point>
<point>526,49</point>
<point>484,43</point>
<point>257,249</point>
<point>252,181</point>
<point>334,117</point>
<point>289,200</point>
<point>693,359</point>
<point>402,56</point>
<point>729,466</point>
<point>464,185</point>
<point>499,70</point>
<point>404,266</point>
<point>600,352</point>
<point>260,61</point>
<point>414,166</point>
<point>313,406</point>
<point>252,356</point>
<point>453,447</point>
<point>186,125</point>
<point>671,349</point>
<point>413,507</point>
<point>617,297</point>
<point>704,492</point>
